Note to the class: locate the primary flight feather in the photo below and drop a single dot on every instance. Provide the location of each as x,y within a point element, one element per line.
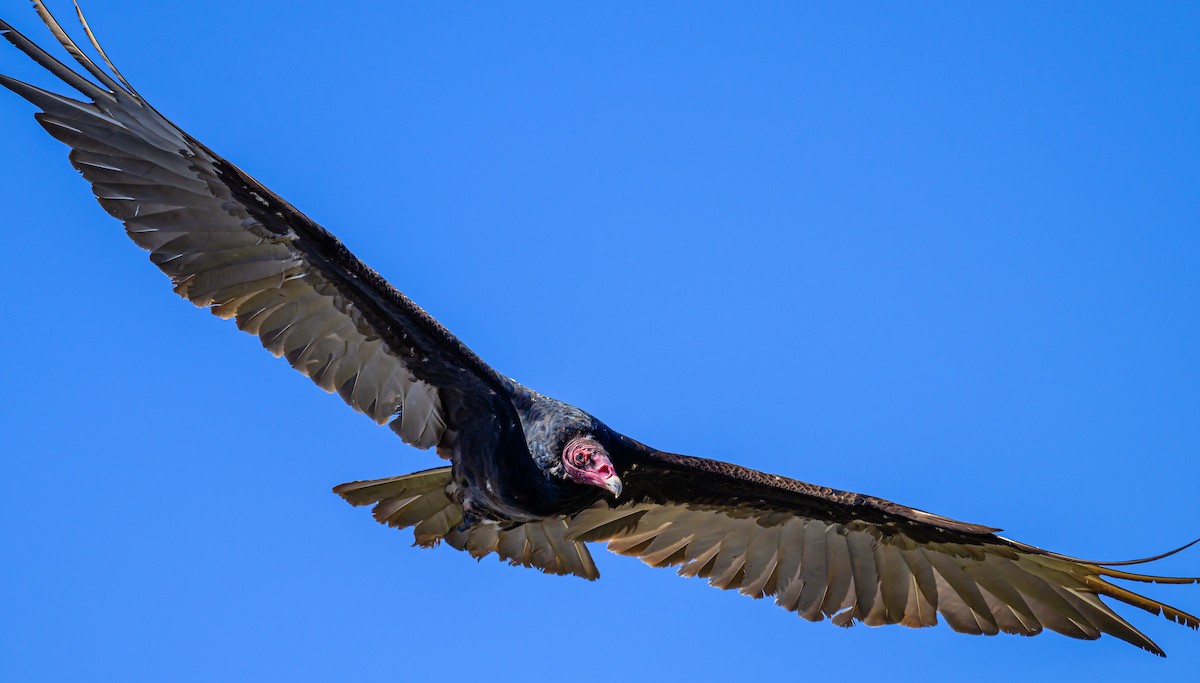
<point>533,479</point>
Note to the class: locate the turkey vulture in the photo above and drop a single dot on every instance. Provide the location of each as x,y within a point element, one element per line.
<point>532,479</point>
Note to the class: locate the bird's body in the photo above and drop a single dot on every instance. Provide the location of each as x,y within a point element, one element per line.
<point>508,484</point>
<point>533,479</point>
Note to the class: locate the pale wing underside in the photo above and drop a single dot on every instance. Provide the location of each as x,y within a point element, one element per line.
<point>859,572</point>
<point>420,501</point>
<point>173,197</point>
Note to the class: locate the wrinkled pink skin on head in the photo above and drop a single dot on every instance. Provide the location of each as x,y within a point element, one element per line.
<point>586,462</point>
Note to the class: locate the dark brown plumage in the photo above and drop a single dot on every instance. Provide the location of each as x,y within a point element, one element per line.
<point>233,246</point>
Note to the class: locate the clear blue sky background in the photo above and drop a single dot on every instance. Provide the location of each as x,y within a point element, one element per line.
<point>946,254</point>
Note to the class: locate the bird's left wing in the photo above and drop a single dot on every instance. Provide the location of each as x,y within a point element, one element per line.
<point>825,553</point>
<point>230,244</point>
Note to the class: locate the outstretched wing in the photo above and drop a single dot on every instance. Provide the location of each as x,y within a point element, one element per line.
<point>420,500</point>
<point>823,553</point>
<point>230,244</point>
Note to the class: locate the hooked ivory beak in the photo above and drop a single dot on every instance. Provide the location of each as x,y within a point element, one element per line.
<point>614,485</point>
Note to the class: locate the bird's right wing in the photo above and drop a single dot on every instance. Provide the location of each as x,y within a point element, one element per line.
<point>825,553</point>
<point>230,244</point>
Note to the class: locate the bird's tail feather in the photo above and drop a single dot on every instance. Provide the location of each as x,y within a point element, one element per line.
<point>420,500</point>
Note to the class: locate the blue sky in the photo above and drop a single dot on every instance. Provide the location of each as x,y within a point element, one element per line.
<point>941,253</point>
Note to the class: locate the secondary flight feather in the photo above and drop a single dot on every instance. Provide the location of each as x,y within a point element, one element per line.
<point>532,479</point>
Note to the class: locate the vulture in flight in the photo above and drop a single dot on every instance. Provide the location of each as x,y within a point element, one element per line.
<point>532,479</point>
